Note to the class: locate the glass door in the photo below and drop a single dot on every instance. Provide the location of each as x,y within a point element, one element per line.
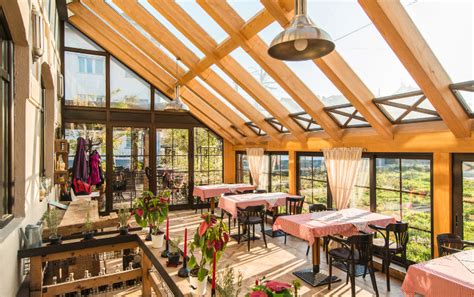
<point>131,151</point>
<point>463,195</point>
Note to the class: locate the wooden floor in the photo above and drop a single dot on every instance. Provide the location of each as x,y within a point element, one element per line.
<point>277,262</point>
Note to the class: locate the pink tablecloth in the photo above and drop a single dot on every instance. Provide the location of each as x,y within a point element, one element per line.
<point>209,191</point>
<point>445,276</point>
<point>270,200</point>
<point>345,222</point>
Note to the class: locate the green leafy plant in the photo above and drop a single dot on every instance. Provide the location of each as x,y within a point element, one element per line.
<point>174,245</point>
<point>211,236</point>
<point>228,283</point>
<point>88,225</point>
<point>52,220</point>
<point>150,210</point>
<point>123,217</point>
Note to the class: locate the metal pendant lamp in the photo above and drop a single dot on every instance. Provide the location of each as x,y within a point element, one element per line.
<point>177,104</point>
<point>302,40</point>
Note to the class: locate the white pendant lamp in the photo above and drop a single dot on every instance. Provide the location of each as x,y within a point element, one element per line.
<point>177,104</point>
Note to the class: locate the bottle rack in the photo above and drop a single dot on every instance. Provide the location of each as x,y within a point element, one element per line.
<point>61,151</point>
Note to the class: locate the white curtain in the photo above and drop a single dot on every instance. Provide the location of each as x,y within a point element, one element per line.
<point>255,158</point>
<point>342,165</point>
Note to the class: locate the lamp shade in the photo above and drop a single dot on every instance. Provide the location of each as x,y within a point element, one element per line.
<point>302,40</point>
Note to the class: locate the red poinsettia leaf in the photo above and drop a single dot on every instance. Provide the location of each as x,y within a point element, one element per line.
<point>202,228</point>
<point>258,294</point>
<point>276,286</point>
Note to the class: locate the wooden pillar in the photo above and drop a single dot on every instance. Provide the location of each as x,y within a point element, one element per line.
<point>229,163</point>
<point>146,283</point>
<point>36,276</point>
<point>292,172</point>
<point>442,195</point>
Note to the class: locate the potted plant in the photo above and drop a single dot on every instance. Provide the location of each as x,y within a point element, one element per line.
<point>211,237</point>
<point>52,220</point>
<point>268,288</point>
<point>174,251</point>
<point>89,228</point>
<point>227,286</point>
<point>123,217</point>
<point>151,211</point>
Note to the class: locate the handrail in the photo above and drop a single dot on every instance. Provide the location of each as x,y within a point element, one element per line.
<point>100,245</point>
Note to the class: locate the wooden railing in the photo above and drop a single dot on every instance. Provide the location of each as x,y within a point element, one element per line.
<point>112,262</point>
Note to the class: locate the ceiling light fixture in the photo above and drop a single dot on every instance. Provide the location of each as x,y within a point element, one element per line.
<point>302,40</point>
<point>176,104</point>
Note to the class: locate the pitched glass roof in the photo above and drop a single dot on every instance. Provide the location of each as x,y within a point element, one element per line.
<point>362,46</point>
<point>75,39</point>
<point>246,8</point>
<point>448,28</point>
<point>241,91</point>
<point>202,18</point>
<point>266,80</point>
<point>171,28</point>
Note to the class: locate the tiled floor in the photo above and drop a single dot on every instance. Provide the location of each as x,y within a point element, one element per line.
<point>277,262</point>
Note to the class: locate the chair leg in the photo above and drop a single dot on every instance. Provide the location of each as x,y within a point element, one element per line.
<point>353,289</point>
<point>365,271</point>
<point>348,268</point>
<point>263,234</point>
<point>285,236</point>
<point>238,233</point>
<point>253,230</point>
<point>235,222</point>
<point>330,272</point>
<point>248,238</point>
<point>387,272</point>
<point>307,253</point>
<point>229,222</point>
<point>372,279</point>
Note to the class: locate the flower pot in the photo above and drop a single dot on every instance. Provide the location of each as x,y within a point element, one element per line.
<point>89,235</point>
<point>173,258</point>
<point>123,231</point>
<point>157,240</point>
<point>55,240</point>
<point>200,286</point>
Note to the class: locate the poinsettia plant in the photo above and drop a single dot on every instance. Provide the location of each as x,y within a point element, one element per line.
<point>270,288</point>
<point>150,210</point>
<point>212,236</point>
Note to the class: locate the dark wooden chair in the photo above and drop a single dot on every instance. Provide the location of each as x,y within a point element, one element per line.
<point>293,206</point>
<point>450,243</point>
<point>388,248</point>
<point>246,191</point>
<point>260,191</point>
<point>224,212</point>
<point>355,250</point>
<point>249,217</point>
<point>318,207</point>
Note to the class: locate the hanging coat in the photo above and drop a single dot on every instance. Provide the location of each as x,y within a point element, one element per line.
<point>94,176</point>
<point>80,168</point>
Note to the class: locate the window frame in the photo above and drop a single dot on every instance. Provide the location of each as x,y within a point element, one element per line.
<point>298,173</point>
<point>208,155</point>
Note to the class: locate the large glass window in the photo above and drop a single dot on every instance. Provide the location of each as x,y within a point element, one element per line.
<point>5,125</point>
<point>312,179</point>
<point>403,189</point>
<point>127,90</point>
<point>279,173</point>
<point>172,163</point>
<point>75,39</point>
<point>242,169</point>
<point>361,193</point>
<point>85,79</point>
<point>208,157</point>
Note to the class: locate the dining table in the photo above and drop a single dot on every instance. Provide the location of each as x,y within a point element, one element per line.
<point>451,275</point>
<point>212,191</point>
<point>313,226</point>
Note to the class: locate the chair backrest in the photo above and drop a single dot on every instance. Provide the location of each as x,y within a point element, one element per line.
<point>252,211</point>
<point>230,194</point>
<point>361,244</point>
<point>400,233</point>
<point>246,191</point>
<point>294,205</point>
<point>317,207</point>
<point>260,191</point>
<point>449,243</point>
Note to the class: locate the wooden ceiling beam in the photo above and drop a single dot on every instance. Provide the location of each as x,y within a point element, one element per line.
<point>98,31</point>
<point>183,22</point>
<point>115,20</point>
<point>340,74</point>
<point>230,21</point>
<point>167,39</point>
<point>402,35</point>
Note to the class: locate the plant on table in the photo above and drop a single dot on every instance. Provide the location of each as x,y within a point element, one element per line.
<point>150,210</point>
<point>227,285</point>
<point>123,217</point>
<point>269,288</point>
<point>52,221</point>
<point>174,251</point>
<point>211,236</point>
<point>89,228</point>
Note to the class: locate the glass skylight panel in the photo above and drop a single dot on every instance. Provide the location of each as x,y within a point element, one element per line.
<point>75,39</point>
<point>455,22</point>
<point>171,28</point>
<point>210,89</point>
<point>245,8</point>
<point>362,46</point>
<point>266,80</point>
<point>468,98</point>
<point>203,19</point>
<point>241,91</point>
